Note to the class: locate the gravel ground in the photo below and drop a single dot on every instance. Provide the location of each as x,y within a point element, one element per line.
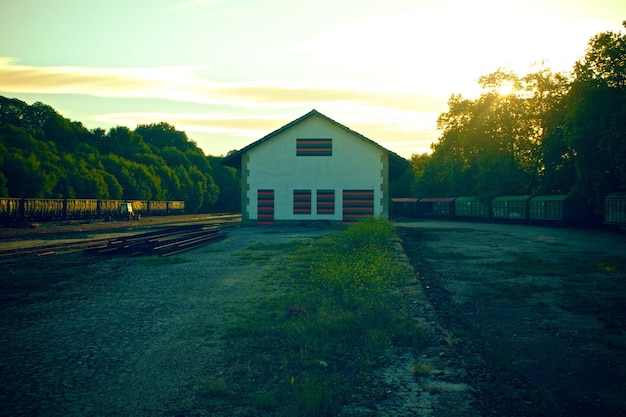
<point>142,336</point>
<point>126,336</point>
<point>536,315</point>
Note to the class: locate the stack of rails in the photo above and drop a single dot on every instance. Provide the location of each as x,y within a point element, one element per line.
<point>163,242</point>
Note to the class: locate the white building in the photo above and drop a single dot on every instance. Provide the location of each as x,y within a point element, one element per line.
<point>313,169</point>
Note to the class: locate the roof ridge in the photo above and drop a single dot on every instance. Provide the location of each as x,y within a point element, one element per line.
<point>234,160</point>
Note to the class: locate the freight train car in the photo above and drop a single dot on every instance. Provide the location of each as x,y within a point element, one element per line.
<point>403,207</point>
<point>510,208</point>
<point>157,208</point>
<point>48,209</point>
<point>140,207</point>
<point>557,209</point>
<point>615,209</point>
<point>82,208</point>
<point>436,206</point>
<point>471,208</point>
<point>39,209</point>
<point>176,207</point>
<point>9,209</point>
<point>108,209</point>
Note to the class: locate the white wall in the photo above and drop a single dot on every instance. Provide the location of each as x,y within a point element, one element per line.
<point>273,164</point>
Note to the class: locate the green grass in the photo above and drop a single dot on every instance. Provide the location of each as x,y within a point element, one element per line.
<point>314,343</point>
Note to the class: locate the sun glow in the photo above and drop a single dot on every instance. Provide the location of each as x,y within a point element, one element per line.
<point>506,88</point>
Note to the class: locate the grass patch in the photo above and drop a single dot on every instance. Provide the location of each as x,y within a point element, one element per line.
<point>315,343</point>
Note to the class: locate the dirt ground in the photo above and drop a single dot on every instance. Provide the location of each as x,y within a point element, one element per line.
<point>537,315</point>
<point>533,321</point>
<point>84,335</point>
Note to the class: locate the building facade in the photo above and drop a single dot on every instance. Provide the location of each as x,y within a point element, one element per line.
<point>313,169</point>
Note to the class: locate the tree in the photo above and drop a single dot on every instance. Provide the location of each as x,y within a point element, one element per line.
<point>595,125</point>
<point>163,135</point>
<point>42,154</point>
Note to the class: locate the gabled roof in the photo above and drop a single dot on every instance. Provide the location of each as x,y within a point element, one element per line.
<point>234,160</point>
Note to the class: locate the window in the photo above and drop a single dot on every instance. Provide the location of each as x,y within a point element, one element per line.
<point>314,147</point>
<point>265,206</point>
<point>301,201</point>
<point>357,204</point>
<point>325,201</point>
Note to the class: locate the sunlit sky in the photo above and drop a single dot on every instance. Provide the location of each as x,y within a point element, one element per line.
<point>228,72</point>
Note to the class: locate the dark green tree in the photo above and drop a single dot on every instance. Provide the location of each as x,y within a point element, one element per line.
<point>595,125</point>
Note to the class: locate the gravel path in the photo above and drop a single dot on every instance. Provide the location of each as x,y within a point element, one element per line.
<point>536,314</point>
<point>128,336</point>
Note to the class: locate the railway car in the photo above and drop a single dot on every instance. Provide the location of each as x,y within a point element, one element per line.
<point>510,208</point>
<point>471,208</point>
<point>176,207</point>
<point>615,209</point>
<point>9,209</point>
<point>403,207</point>
<point>38,209</point>
<point>108,209</point>
<point>140,207</point>
<point>557,209</point>
<point>157,208</point>
<point>84,208</point>
<point>436,206</point>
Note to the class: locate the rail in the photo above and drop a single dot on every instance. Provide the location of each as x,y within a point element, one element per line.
<point>169,239</point>
<point>162,243</point>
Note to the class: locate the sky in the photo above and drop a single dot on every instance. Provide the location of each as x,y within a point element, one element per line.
<point>228,72</point>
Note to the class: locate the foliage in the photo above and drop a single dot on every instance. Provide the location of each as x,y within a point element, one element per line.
<point>45,155</point>
<point>323,336</point>
<point>542,133</point>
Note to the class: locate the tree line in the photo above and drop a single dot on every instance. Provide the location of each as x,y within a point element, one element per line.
<point>542,133</point>
<point>45,155</point>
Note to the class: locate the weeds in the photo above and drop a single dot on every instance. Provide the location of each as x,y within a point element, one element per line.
<point>316,343</point>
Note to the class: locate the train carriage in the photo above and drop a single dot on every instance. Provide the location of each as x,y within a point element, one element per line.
<point>510,208</point>
<point>140,207</point>
<point>403,207</point>
<point>436,206</point>
<point>558,209</point>
<point>108,209</point>
<point>615,209</point>
<point>43,209</point>
<point>84,208</point>
<point>9,209</point>
<point>176,207</point>
<point>471,208</point>
<point>157,208</point>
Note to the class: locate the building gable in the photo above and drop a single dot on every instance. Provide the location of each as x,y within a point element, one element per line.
<point>234,160</point>
<point>312,169</point>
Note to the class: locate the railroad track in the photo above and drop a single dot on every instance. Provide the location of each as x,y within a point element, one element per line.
<point>166,241</point>
<point>51,249</point>
<point>35,230</point>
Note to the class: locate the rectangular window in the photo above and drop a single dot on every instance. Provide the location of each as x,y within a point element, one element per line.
<point>325,201</point>
<point>265,206</point>
<point>314,147</point>
<point>301,201</point>
<point>357,204</point>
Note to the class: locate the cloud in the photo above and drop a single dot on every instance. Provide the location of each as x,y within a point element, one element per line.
<point>395,116</point>
<point>198,122</point>
<point>180,84</point>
